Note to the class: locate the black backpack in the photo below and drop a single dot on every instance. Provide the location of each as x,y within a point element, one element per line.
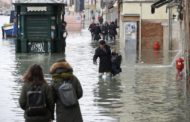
<point>67,94</point>
<point>36,101</point>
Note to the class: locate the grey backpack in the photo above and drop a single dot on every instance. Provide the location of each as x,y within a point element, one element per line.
<point>67,94</point>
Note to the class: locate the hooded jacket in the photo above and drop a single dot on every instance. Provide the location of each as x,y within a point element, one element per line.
<point>63,71</point>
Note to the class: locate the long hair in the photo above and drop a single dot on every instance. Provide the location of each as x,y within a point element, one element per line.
<point>34,74</point>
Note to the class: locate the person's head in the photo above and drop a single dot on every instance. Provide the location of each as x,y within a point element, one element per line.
<point>102,43</point>
<point>34,74</point>
<point>64,23</point>
<point>113,52</point>
<point>61,66</point>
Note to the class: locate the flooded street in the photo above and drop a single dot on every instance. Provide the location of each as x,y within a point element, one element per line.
<point>141,93</point>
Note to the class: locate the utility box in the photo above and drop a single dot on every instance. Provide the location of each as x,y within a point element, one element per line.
<point>39,27</point>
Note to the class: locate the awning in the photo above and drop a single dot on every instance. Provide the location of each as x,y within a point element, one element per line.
<point>41,1</point>
<point>158,4</point>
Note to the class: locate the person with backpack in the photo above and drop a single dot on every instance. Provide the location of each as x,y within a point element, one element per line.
<point>36,97</point>
<point>67,91</point>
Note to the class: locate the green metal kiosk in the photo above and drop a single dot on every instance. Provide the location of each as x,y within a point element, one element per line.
<point>39,27</point>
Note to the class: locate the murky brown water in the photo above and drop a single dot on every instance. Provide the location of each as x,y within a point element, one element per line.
<point>141,93</point>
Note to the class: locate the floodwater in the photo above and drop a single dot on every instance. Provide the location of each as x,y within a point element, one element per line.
<point>141,93</point>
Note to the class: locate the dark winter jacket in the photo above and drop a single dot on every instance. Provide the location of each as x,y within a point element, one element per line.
<point>49,103</point>
<point>61,72</point>
<point>92,27</point>
<point>97,32</point>
<point>116,62</point>
<point>100,19</point>
<point>105,59</point>
<point>112,29</point>
<point>104,29</point>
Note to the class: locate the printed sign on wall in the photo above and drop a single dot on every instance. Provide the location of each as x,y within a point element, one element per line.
<point>37,47</point>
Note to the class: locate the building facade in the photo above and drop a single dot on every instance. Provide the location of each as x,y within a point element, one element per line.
<point>139,24</point>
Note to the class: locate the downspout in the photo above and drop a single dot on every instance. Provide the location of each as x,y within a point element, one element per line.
<point>170,29</point>
<point>140,33</point>
<point>118,21</point>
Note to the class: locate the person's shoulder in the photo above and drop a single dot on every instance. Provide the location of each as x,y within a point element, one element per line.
<point>107,46</point>
<point>26,84</point>
<point>75,78</point>
<point>98,48</point>
<point>45,84</point>
<point>119,57</point>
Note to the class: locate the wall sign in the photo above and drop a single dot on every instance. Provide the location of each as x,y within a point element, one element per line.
<point>37,8</point>
<point>37,47</point>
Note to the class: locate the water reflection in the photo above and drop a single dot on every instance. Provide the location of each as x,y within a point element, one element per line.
<point>156,99</point>
<point>9,87</point>
<point>149,56</point>
<point>188,103</point>
<point>151,94</point>
<point>108,98</point>
<point>107,92</point>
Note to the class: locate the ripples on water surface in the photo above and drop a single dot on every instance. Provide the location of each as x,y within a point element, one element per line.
<point>138,94</point>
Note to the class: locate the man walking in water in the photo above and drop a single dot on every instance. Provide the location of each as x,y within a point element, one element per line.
<point>103,52</point>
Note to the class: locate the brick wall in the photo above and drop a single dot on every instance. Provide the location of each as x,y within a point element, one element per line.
<point>151,32</point>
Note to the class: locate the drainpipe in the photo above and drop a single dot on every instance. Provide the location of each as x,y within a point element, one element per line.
<point>119,11</point>
<point>170,29</point>
<point>140,32</point>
